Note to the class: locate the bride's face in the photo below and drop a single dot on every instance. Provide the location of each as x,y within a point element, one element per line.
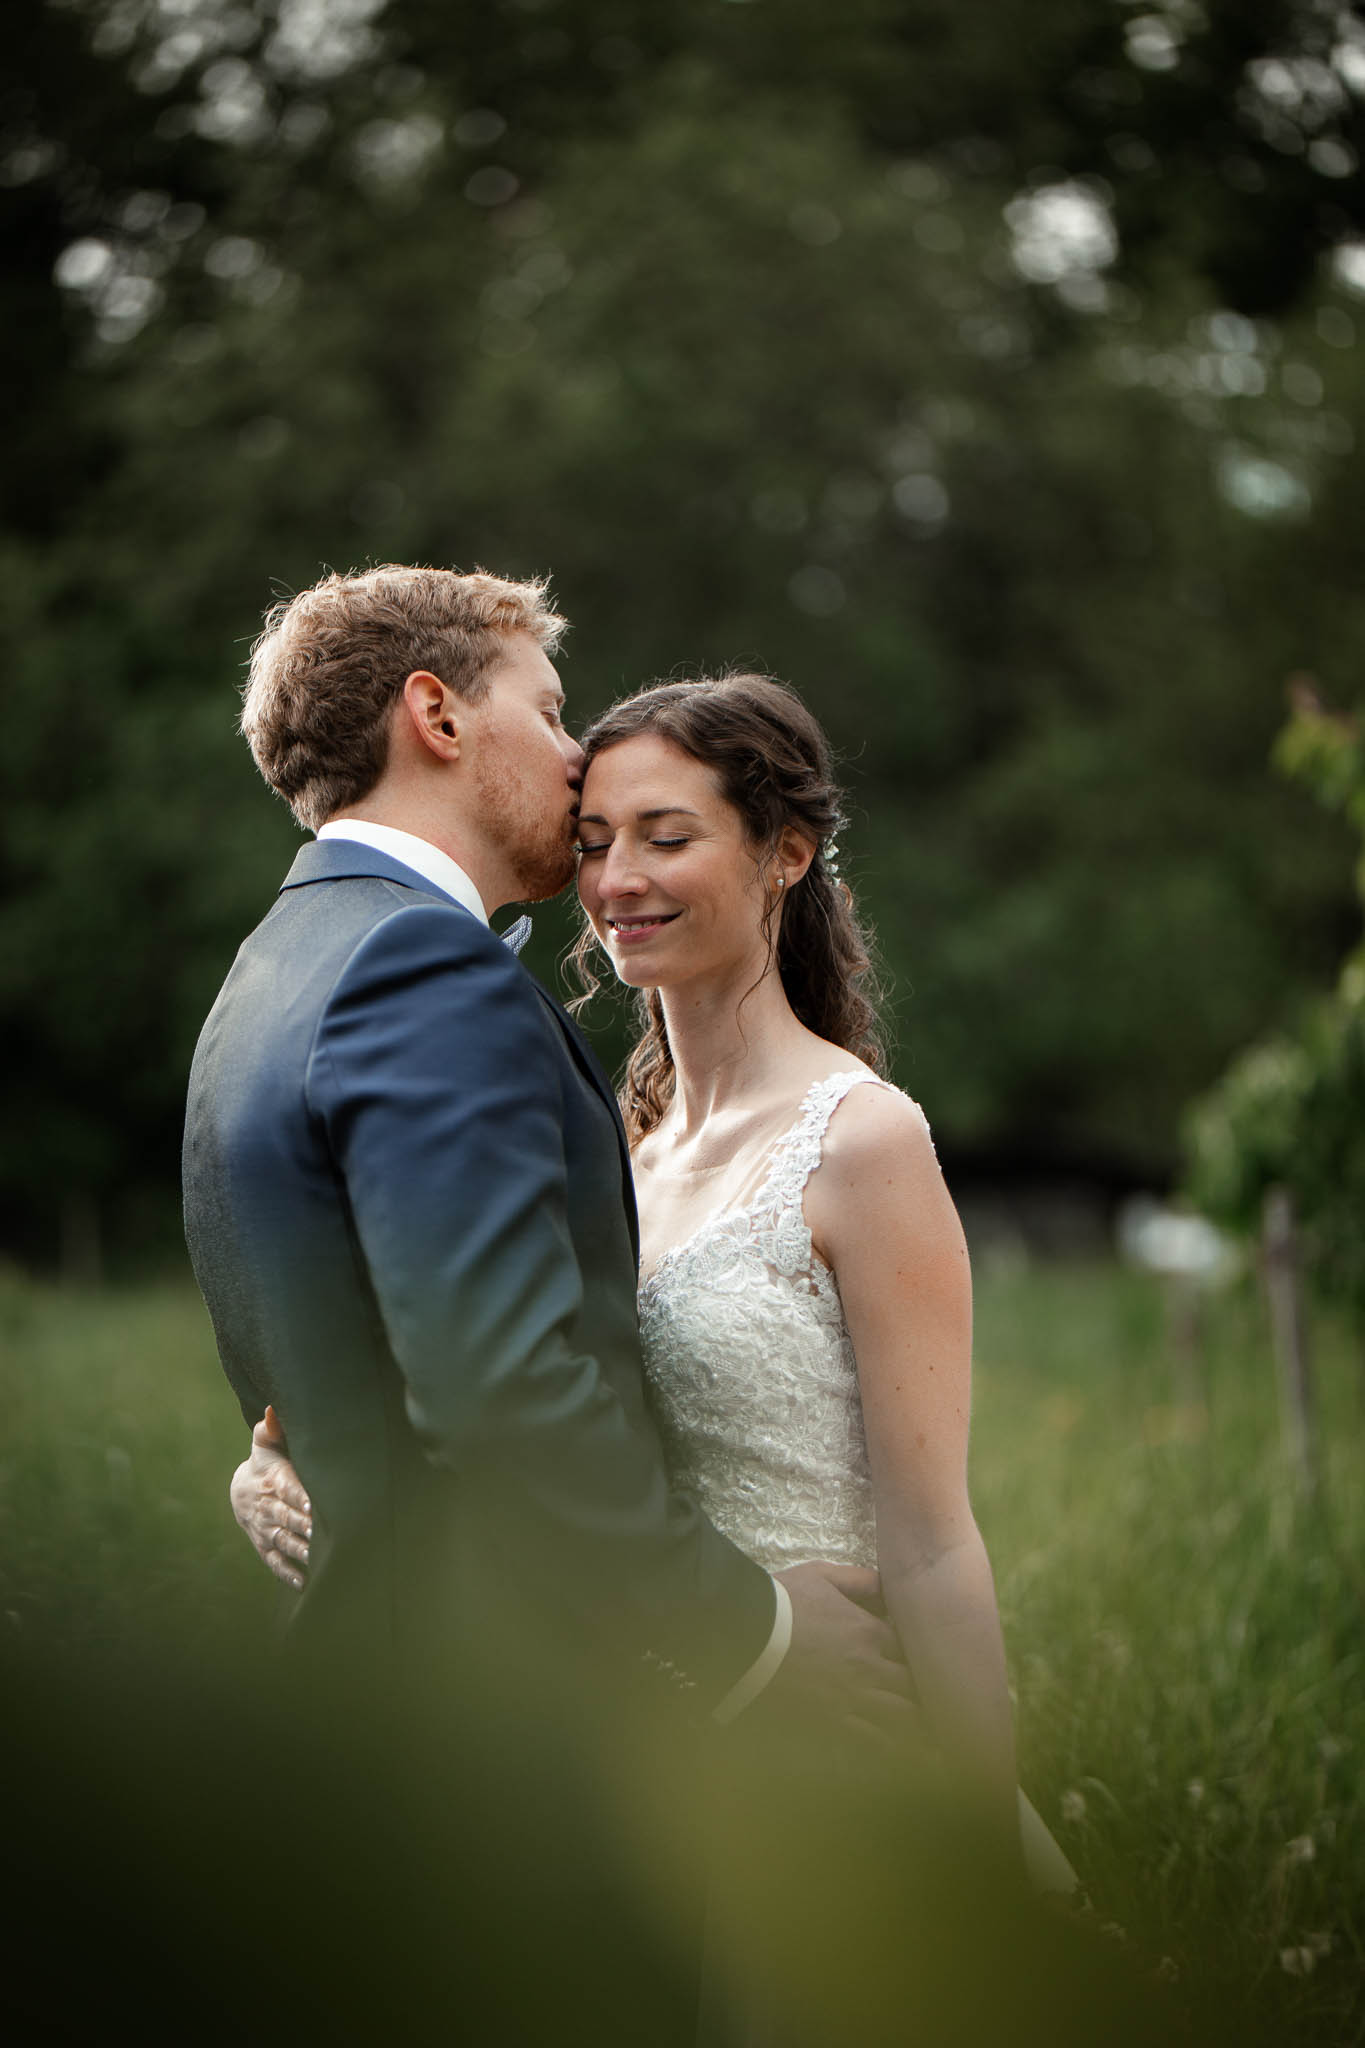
<point>667,874</point>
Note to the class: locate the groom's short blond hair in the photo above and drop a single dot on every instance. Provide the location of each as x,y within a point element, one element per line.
<point>330,665</point>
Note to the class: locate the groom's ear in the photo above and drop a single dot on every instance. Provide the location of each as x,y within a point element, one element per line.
<point>433,712</point>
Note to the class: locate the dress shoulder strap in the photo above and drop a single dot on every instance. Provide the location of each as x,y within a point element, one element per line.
<point>797,1154</point>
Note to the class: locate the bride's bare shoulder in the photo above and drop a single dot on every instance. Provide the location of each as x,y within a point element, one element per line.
<point>879,1190</point>
<point>879,1129</point>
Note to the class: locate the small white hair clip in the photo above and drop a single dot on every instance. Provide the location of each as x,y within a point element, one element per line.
<point>830,852</point>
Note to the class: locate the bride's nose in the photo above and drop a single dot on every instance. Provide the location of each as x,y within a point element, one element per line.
<point>621,872</point>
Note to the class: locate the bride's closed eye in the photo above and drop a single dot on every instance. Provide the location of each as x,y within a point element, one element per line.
<point>601,846</point>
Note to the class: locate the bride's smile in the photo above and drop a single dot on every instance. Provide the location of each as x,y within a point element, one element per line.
<point>667,875</point>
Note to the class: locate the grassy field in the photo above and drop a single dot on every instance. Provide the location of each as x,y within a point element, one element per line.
<point>1188,1645</point>
<point>1186,1640</point>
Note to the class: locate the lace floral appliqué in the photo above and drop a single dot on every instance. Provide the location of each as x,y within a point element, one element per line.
<point>752,1371</point>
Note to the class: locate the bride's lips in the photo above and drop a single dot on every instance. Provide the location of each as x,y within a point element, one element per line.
<point>632,931</point>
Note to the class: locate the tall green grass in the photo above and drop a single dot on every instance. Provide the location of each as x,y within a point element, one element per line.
<point>119,1437</point>
<point>1187,1639</point>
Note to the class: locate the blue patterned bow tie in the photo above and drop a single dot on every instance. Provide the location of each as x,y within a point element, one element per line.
<point>517,934</point>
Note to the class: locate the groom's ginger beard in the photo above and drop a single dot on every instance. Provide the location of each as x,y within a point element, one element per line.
<point>537,841</point>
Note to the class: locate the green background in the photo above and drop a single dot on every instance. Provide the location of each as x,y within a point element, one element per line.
<point>994,381</point>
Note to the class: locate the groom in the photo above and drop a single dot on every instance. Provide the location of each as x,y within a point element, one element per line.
<point>408,1195</point>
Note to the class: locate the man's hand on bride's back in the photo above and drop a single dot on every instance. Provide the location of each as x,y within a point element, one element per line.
<point>270,1503</point>
<point>844,1658</point>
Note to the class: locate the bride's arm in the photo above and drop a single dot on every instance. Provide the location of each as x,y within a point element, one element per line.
<point>881,1216</point>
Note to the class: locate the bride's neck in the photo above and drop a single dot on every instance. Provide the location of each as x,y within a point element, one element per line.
<point>728,1044</point>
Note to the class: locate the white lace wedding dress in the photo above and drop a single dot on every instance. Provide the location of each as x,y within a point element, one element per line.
<point>755,1385</point>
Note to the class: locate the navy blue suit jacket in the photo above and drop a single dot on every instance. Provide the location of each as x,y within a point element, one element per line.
<point>408,1203</point>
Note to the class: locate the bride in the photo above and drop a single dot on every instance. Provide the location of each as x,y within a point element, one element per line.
<point>805,1296</point>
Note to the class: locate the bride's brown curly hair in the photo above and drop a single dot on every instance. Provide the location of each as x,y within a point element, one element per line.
<point>772,763</point>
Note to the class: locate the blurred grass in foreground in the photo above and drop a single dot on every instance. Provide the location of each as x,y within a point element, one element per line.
<point>1187,1646</point>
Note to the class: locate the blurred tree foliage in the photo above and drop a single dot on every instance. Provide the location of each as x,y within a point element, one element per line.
<point>1291,1110</point>
<point>994,383</point>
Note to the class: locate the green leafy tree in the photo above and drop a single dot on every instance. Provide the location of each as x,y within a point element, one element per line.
<point>996,389</point>
<point>1291,1112</point>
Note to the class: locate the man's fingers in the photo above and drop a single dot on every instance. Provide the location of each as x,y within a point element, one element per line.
<point>891,1675</point>
<point>872,1734</point>
<point>882,1639</point>
<point>874,1639</point>
<point>887,1709</point>
<point>855,1581</point>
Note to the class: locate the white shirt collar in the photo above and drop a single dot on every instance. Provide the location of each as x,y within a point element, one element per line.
<point>427,860</point>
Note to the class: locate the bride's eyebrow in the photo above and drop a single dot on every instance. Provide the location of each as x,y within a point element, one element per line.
<point>644,817</point>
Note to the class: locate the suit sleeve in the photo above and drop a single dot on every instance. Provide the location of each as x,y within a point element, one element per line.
<point>437,1075</point>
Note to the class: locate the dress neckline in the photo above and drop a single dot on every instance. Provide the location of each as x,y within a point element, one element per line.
<point>729,1211</point>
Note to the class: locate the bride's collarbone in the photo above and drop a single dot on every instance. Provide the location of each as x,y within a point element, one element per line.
<point>745,1132</point>
<point>683,1183</point>
<point>737,1138</point>
<point>722,1146</point>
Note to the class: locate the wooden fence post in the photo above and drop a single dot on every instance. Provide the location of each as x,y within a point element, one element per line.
<point>1289,1332</point>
